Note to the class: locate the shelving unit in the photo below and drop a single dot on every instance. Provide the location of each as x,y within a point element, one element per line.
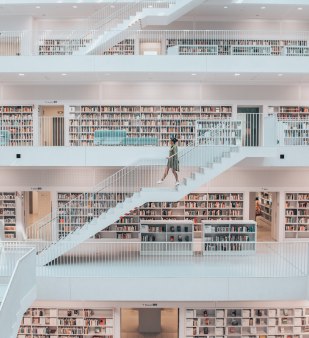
<point>296,215</point>
<point>290,112</point>
<point>17,123</point>
<point>251,50</point>
<point>192,50</point>
<point>293,133</point>
<point>61,46</point>
<point>266,206</point>
<point>195,208</point>
<point>141,121</point>
<point>125,47</point>
<point>214,132</point>
<point>239,46</point>
<point>295,51</point>
<point>233,236</point>
<point>247,322</point>
<point>172,237</point>
<point>83,208</point>
<point>65,323</point>
<point>8,214</point>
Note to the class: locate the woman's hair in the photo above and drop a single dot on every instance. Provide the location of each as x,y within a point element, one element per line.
<point>174,139</point>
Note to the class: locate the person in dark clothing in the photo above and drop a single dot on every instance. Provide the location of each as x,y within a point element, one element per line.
<point>172,161</point>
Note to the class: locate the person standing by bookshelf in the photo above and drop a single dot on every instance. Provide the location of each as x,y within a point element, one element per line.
<point>173,161</point>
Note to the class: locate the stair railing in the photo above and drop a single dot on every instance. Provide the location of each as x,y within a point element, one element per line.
<point>20,292</point>
<point>86,207</point>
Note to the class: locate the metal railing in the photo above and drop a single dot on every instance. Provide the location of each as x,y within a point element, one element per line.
<point>20,263</point>
<point>81,210</point>
<point>51,131</point>
<point>133,41</point>
<point>180,259</point>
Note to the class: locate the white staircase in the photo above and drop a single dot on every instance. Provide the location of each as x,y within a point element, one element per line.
<point>200,164</point>
<point>19,291</point>
<point>106,37</point>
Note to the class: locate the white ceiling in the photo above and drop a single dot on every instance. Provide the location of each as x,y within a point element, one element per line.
<point>149,77</point>
<point>240,11</point>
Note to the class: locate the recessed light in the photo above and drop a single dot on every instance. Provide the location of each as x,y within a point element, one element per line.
<point>193,74</point>
<point>37,7</point>
<point>300,8</point>
<point>236,74</point>
<point>21,74</point>
<point>225,7</point>
<point>74,6</point>
<point>263,7</point>
<point>64,74</point>
<point>280,74</point>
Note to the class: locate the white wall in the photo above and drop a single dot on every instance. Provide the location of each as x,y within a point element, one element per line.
<point>15,23</point>
<point>160,93</point>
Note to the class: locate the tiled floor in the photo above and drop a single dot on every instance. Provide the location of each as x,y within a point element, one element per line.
<point>263,230</point>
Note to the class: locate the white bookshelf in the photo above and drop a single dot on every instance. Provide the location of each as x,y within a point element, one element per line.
<point>241,46</point>
<point>193,50</point>
<point>141,121</point>
<point>195,208</point>
<point>17,122</point>
<point>296,215</point>
<point>171,237</point>
<point>293,132</point>
<point>251,50</point>
<point>220,237</point>
<point>266,206</point>
<point>8,214</point>
<point>290,112</point>
<point>125,47</point>
<point>61,46</point>
<point>214,132</point>
<point>247,322</point>
<point>295,51</point>
<point>67,323</point>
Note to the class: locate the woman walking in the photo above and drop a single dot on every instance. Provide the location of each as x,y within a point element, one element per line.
<point>173,162</point>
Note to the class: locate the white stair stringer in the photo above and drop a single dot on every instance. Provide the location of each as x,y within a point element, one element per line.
<point>83,233</point>
<point>148,16</point>
<point>18,295</point>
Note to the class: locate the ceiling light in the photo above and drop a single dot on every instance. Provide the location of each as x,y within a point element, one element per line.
<point>236,74</point>
<point>193,74</point>
<point>263,7</point>
<point>21,74</point>
<point>74,6</point>
<point>64,74</point>
<point>37,7</point>
<point>300,8</point>
<point>225,7</point>
<point>280,74</point>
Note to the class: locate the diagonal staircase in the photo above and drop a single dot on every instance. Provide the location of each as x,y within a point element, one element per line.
<point>17,288</point>
<point>132,187</point>
<point>117,26</point>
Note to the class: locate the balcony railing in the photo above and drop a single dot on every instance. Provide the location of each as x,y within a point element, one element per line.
<point>155,42</point>
<point>177,259</point>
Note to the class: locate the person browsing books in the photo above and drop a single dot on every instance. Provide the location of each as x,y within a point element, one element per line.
<point>172,161</point>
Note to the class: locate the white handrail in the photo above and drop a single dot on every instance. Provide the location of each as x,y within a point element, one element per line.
<point>151,259</point>
<point>18,296</point>
<point>168,42</point>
